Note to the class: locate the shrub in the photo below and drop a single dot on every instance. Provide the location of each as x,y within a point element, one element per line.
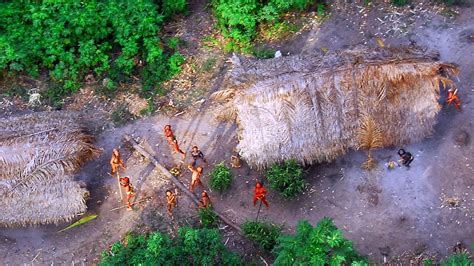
<point>220,177</point>
<point>208,217</point>
<point>263,233</point>
<point>238,19</point>
<point>189,247</point>
<point>320,245</point>
<point>400,2</point>
<point>73,38</point>
<point>460,259</point>
<point>263,53</point>
<point>286,178</point>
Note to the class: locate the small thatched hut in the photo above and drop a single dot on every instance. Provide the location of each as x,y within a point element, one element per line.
<point>311,107</point>
<point>38,154</point>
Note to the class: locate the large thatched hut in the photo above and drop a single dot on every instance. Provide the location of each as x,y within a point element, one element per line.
<point>312,107</point>
<point>38,154</point>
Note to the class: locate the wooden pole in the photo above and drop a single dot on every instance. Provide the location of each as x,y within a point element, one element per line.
<point>176,181</point>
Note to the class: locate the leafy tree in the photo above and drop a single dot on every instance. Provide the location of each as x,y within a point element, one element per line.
<point>320,245</point>
<point>238,19</point>
<point>189,247</point>
<point>287,178</point>
<point>220,177</point>
<point>73,38</point>
<point>263,233</point>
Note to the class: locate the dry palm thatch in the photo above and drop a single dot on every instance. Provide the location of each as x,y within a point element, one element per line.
<point>38,155</point>
<point>370,137</point>
<point>310,107</point>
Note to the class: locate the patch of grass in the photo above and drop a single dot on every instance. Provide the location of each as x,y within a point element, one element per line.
<point>150,108</point>
<point>263,233</point>
<point>286,178</point>
<point>400,2</point>
<point>209,64</point>
<point>278,30</point>
<point>121,115</point>
<point>323,13</point>
<point>263,53</point>
<point>208,218</point>
<point>220,177</point>
<point>18,91</point>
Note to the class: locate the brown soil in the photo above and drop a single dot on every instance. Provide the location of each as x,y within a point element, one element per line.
<point>398,210</point>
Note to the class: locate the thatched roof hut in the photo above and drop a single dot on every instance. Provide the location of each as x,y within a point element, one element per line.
<point>311,107</point>
<point>38,154</point>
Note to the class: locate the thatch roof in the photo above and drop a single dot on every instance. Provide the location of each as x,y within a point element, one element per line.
<point>38,154</point>
<point>310,107</point>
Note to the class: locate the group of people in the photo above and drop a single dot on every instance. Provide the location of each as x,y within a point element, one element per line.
<point>171,198</point>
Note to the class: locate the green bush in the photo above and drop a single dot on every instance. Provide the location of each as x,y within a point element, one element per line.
<point>208,218</point>
<point>320,245</point>
<point>400,2</point>
<point>286,178</point>
<point>263,233</point>
<point>238,19</point>
<point>459,259</point>
<point>189,247</point>
<point>220,177</point>
<point>73,38</point>
<point>263,53</point>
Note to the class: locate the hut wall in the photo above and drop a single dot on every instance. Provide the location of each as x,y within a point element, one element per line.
<point>295,109</point>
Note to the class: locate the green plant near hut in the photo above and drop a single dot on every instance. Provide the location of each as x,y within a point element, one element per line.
<point>189,247</point>
<point>220,177</point>
<point>208,217</point>
<point>238,19</point>
<point>263,233</point>
<point>286,178</point>
<point>320,245</point>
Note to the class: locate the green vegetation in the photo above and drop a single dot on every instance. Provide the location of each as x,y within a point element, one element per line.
<point>70,39</point>
<point>464,259</point>
<point>238,19</point>
<point>263,233</point>
<point>208,217</point>
<point>220,177</point>
<point>286,178</point>
<point>320,245</point>
<point>189,247</point>
<point>400,2</point>
<point>263,53</point>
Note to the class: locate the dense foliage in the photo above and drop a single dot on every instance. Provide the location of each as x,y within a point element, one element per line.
<point>320,245</point>
<point>220,177</point>
<point>208,217</point>
<point>73,38</point>
<point>263,233</point>
<point>287,178</point>
<point>238,19</point>
<point>189,247</point>
<point>464,259</point>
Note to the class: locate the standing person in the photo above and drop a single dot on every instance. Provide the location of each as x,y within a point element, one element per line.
<point>125,182</point>
<point>197,154</point>
<point>116,161</point>
<point>405,157</point>
<point>172,140</point>
<point>172,201</point>
<point>453,98</point>
<point>205,201</point>
<point>196,177</point>
<point>260,194</point>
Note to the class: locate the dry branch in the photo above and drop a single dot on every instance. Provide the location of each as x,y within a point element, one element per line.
<point>165,171</point>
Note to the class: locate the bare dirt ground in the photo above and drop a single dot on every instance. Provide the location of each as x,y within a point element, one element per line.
<point>403,209</point>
